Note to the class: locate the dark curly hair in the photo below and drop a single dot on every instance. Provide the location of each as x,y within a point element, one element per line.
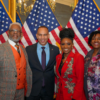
<point>91,35</point>
<point>67,33</point>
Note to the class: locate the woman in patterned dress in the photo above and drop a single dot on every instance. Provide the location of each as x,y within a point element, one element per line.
<point>92,68</point>
<point>69,70</point>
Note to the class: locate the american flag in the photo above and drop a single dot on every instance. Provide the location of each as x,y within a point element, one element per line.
<point>18,19</point>
<point>84,20</point>
<point>5,21</point>
<point>40,15</point>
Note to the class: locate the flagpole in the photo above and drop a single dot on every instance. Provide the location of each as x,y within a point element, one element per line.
<point>12,9</point>
<point>75,3</point>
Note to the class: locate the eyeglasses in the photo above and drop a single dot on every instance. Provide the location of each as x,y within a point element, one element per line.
<point>14,30</point>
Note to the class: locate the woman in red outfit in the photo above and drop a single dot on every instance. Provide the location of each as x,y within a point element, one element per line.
<point>69,70</point>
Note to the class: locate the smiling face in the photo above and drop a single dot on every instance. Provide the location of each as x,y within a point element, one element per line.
<point>95,42</point>
<point>66,46</point>
<point>15,33</point>
<point>42,35</point>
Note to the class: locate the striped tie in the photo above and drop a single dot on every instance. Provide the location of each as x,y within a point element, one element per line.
<point>17,46</point>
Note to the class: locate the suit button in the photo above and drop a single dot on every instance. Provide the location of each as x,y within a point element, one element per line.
<point>15,75</point>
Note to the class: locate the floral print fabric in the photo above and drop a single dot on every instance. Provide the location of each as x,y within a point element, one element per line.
<point>93,79</point>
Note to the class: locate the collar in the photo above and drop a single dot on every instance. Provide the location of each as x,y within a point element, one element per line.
<point>12,43</point>
<point>89,55</point>
<point>91,52</point>
<point>71,54</point>
<point>98,52</point>
<point>39,46</point>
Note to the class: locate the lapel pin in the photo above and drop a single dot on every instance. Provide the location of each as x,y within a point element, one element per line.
<point>66,61</point>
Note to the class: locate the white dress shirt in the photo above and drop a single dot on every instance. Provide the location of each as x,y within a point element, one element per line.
<point>13,43</point>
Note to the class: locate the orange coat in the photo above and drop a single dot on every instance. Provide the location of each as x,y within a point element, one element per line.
<point>71,78</point>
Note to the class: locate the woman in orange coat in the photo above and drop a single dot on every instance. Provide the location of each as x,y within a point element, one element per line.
<point>69,70</point>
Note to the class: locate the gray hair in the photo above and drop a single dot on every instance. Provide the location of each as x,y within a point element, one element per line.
<point>16,23</point>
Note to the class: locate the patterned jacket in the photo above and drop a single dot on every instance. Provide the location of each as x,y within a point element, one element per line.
<point>8,73</point>
<point>71,78</point>
<point>87,62</point>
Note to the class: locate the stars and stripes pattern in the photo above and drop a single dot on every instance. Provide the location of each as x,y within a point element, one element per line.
<point>5,21</point>
<point>84,20</point>
<point>18,19</point>
<point>40,15</point>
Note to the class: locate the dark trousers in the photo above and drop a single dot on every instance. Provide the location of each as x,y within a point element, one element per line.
<point>42,96</point>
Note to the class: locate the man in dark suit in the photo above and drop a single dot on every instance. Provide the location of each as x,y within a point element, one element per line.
<point>42,60</point>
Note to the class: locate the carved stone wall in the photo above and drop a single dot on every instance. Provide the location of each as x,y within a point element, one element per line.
<point>63,13</point>
<point>66,2</point>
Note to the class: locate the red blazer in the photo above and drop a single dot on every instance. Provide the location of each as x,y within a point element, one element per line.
<point>71,78</point>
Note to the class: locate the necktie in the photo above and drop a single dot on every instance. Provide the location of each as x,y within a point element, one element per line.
<point>17,46</point>
<point>43,58</point>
